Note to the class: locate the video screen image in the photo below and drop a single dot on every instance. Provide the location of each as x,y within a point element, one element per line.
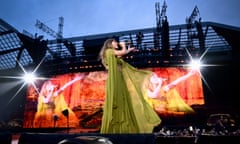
<point>75,100</point>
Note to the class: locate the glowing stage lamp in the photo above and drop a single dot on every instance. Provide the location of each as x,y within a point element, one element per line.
<point>29,78</point>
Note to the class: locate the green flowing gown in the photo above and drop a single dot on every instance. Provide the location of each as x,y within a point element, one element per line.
<point>126,109</point>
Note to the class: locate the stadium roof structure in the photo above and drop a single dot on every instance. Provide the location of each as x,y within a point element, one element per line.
<point>164,46</point>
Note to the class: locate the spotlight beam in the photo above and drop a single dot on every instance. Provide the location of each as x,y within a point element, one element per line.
<point>25,82</point>
<point>15,94</point>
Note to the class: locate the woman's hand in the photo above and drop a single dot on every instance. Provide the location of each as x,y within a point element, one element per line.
<point>122,44</point>
<point>130,49</point>
<point>123,51</point>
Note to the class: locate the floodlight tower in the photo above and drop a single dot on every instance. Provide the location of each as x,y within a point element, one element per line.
<point>165,32</point>
<point>163,15</point>
<point>156,38</point>
<point>59,36</point>
<point>193,22</point>
<point>162,32</point>
<point>158,15</point>
<point>48,30</point>
<point>195,14</point>
<point>60,28</point>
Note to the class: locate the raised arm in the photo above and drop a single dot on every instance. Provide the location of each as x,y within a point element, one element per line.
<point>124,50</point>
<point>77,78</point>
<point>180,79</point>
<point>51,93</point>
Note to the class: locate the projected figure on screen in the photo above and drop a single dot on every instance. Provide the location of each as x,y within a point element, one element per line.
<point>52,109</point>
<point>165,98</point>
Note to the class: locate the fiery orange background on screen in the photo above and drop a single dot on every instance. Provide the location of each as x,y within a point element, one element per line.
<point>86,97</point>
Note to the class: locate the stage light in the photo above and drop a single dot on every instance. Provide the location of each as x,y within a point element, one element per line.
<point>29,77</point>
<point>190,128</point>
<point>195,64</point>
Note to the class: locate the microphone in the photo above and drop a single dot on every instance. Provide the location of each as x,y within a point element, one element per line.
<point>128,42</point>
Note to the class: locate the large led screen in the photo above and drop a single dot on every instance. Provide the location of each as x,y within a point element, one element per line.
<point>75,100</point>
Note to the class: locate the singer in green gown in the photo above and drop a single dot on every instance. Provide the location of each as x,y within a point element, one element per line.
<point>126,109</point>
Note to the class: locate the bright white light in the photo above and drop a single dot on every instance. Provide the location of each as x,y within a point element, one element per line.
<point>195,64</point>
<point>29,77</point>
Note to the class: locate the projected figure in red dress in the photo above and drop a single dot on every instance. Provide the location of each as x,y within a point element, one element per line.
<point>52,109</point>
<point>165,98</point>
